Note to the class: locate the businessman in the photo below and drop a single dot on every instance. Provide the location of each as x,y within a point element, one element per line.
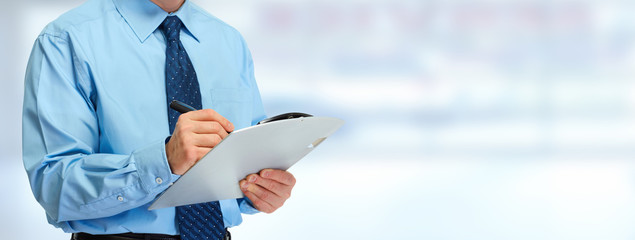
<point>99,140</point>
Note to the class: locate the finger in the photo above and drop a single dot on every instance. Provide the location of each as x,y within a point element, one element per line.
<point>202,151</point>
<point>280,189</point>
<point>206,140</point>
<point>202,127</point>
<point>258,203</point>
<point>264,194</point>
<point>210,115</point>
<point>281,176</point>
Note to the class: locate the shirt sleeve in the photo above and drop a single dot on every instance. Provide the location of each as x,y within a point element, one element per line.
<point>67,174</point>
<point>246,206</point>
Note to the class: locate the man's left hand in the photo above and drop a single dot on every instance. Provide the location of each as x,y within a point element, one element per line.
<point>269,189</point>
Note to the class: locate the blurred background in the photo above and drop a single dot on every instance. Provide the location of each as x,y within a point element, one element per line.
<point>482,119</point>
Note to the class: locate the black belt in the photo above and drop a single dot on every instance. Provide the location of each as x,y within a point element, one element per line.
<point>133,236</point>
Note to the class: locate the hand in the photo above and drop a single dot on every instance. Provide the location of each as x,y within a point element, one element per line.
<point>269,189</point>
<point>195,134</point>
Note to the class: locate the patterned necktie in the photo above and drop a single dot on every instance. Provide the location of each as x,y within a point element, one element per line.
<point>196,221</point>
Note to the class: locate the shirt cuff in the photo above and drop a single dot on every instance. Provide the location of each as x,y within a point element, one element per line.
<point>246,206</point>
<point>153,168</point>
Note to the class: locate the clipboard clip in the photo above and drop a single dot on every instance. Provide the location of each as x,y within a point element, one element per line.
<point>284,116</point>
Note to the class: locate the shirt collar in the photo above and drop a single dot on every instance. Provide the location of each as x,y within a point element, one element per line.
<point>144,17</point>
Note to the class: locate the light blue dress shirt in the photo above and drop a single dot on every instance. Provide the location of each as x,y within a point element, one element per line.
<point>95,112</point>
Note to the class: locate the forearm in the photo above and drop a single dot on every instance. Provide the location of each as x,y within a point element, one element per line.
<point>88,186</point>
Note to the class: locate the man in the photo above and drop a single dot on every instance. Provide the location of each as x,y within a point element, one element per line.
<point>99,141</point>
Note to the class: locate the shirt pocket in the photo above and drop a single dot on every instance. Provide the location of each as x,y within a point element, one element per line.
<point>235,104</point>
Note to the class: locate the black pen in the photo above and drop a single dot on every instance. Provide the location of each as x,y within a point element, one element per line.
<point>181,106</point>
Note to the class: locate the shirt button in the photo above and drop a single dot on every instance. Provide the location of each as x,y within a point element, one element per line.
<point>159,180</point>
<point>120,198</point>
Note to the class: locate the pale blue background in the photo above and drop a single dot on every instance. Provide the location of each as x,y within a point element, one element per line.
<point>465,119</point>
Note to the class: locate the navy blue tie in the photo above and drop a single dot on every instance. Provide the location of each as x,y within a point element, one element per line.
<point>196,221</point>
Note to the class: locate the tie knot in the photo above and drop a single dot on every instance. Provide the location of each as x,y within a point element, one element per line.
<point>171,27</point>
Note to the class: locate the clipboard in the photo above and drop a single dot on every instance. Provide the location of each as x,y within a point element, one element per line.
<point>278,145</point>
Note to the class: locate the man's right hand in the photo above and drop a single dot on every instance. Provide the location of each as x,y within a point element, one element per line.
<point>195,134</point>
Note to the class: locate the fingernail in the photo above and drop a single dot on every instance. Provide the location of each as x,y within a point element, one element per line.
<point>245,185</point>
<point>252,178</point>
<point>266,173</point>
